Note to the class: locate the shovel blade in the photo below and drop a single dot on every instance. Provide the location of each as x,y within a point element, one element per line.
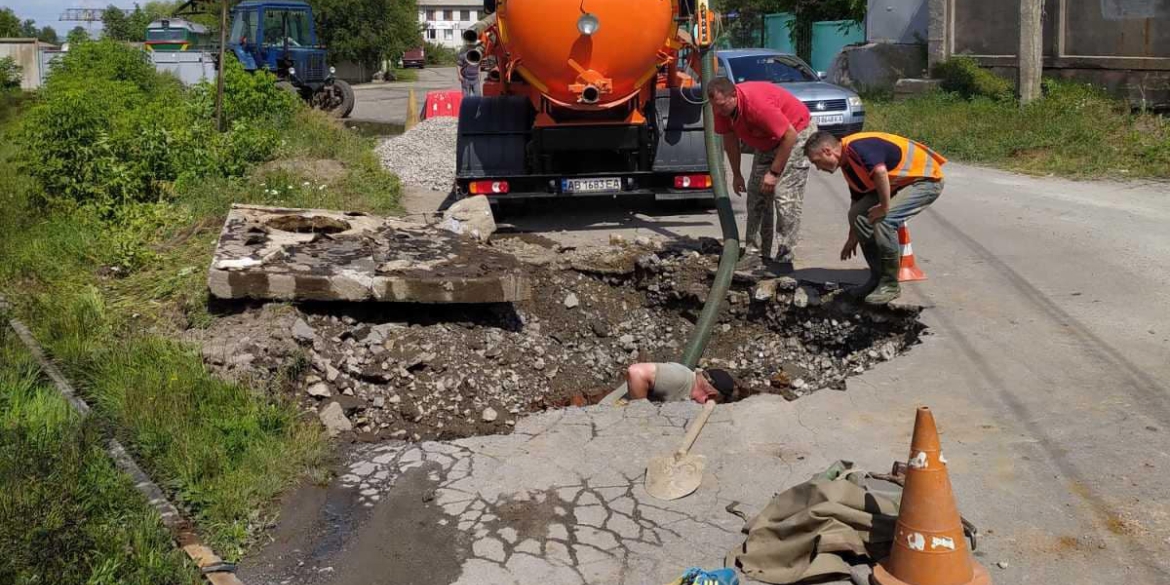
<point>670,477</point>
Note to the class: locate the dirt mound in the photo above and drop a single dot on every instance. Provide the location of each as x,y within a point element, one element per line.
<point>430,372</point>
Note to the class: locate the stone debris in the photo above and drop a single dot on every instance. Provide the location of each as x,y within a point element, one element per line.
<point>424,156</point>
<point>302,332</point>
<point>317,255</point>
<point>571,301</point>
<point>400,373</point>
<point>334,419</point>
<point>320,390</point>
<point>471,216</point>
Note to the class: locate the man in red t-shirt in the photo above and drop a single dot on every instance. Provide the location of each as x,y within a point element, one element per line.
<point>774,125</point>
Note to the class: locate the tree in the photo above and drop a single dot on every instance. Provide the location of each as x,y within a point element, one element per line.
<point>367,31</point>
<point>9,23</point>
<point>9,75</point>
<point>77,36</point>
<point>115,24</point>
<point>28,29</point>
<point>49,35</point>
<point>136,24</point>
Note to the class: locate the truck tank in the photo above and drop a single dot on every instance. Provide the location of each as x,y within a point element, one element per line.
<point>583,97</point>
<point>620,55</point>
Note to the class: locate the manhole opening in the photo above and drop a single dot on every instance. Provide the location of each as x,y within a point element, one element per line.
<point>445,372</point>
<point>312,224</point>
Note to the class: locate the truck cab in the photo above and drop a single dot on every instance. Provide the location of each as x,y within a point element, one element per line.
<point>279,36</point>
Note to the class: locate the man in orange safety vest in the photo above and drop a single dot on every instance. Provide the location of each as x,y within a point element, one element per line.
<point>890,179</point>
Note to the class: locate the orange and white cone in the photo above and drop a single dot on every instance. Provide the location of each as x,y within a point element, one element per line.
<point>929,548</point>
<point>908,271</point>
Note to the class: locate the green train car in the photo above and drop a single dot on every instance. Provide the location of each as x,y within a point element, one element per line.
<point>177,34</point>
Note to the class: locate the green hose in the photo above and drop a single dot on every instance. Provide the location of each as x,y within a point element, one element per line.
<point>714,143</point>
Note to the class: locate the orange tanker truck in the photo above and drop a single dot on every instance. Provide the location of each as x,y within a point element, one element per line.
<point>583,97</point>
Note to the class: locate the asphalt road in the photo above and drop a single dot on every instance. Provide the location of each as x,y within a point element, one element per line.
<point>385,103</point>
<point>1046,367</point>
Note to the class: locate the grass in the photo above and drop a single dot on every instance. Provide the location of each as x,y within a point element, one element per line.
<point>405,75</point>
<point>108,299</point>
<point>67,515</point>
<point>1074,131</point>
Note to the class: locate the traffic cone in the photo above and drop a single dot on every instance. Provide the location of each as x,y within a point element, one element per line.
<point>929,548</point>
<point>908,271</point>
<point>411,111</point>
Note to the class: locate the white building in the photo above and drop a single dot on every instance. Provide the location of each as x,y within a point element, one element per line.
<point>446,19</point>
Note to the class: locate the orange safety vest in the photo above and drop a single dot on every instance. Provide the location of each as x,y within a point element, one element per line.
<point>918,162</point>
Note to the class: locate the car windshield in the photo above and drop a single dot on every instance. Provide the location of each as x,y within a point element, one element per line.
<point>770,68</point>
<point>290,24</point>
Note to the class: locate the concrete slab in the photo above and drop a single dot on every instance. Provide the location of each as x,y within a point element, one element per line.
<point>318,255</point>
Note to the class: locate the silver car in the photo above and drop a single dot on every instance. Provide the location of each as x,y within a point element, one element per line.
<point>834,108</point>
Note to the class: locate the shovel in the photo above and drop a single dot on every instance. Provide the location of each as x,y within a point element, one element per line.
<point>670,477</point>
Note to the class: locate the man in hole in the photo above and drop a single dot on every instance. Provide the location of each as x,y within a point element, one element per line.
<point>671,382</point>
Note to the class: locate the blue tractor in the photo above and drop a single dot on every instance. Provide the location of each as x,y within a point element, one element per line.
<point>279,36</point>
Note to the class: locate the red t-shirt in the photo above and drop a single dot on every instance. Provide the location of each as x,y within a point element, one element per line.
<point>765,113</point>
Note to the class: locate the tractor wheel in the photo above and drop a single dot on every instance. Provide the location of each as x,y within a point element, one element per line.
<point>337,100</point>
<point>348,99</point>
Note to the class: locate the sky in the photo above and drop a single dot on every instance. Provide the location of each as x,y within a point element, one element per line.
<point>47,12</point>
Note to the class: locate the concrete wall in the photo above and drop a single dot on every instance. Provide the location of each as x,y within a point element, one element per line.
<point>1123,45</point>
<point>28,55</point>
<point>897,21</point>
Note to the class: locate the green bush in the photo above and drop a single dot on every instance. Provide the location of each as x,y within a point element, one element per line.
<point>9,75</point>
<point>964,76</point>
<point>110,130</point>
<point>439,55</point>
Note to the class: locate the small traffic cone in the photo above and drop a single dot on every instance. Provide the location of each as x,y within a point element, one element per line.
<point>908,271</point>
<point>929,548</point>
<point>411,111</point>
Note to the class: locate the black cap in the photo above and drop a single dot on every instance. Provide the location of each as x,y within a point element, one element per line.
<point>721,380</point>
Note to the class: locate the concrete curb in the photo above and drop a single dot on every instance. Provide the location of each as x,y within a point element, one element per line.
<point>211,566</point>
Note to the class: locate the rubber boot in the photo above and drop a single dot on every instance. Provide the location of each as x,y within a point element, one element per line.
<point>872,259</point>
<point>887,288</point>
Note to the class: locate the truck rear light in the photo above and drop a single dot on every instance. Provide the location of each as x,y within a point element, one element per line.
<point>488,187</point>
<point>692,182</point>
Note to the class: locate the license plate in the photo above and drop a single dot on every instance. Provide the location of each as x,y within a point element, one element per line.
<point>590,185</point>
<point>830,120</point>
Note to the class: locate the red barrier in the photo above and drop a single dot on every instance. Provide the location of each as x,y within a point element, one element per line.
<point>442,103</point>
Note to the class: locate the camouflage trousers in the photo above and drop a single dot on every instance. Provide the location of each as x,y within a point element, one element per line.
<point>786,201</point>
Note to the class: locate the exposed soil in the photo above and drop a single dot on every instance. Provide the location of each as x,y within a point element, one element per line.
<point>418,372</point>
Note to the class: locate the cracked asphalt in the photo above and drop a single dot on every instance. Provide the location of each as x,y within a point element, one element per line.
<point>1045,365</point>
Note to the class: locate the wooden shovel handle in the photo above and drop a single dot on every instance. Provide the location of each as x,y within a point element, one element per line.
<point>696,428</point>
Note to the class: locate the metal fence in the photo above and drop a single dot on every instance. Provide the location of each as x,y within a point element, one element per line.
<point>817,44</point>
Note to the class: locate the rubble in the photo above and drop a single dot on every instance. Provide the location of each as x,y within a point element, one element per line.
<point>317,255</point>
<point>424,156</point>
<point>471,216</point>
<point>461,370</point>
<point>334,419</point>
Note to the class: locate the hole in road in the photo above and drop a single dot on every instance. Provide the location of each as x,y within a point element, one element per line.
<point>302,224</point>
<point>444,372</point>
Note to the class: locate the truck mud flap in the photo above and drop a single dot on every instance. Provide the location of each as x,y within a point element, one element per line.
<point>493,136</point>
<point>679,114</point>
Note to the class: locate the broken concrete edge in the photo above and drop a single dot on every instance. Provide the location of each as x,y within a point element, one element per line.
<point>231,284</point>
<point>255,259</point>
<point>181,528</point>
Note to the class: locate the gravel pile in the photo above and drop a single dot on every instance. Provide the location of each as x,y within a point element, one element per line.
<point>423,156</point>
<point>382,372</point>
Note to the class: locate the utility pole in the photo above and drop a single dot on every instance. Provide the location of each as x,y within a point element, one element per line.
<point>219,74</point>
<point>1031,54</point>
